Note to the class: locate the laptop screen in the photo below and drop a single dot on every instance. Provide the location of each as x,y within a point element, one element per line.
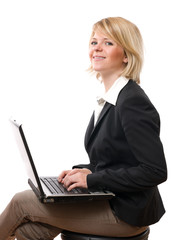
<point>25,153</point>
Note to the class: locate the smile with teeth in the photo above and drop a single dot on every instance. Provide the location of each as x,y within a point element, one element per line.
<point>98,57</point>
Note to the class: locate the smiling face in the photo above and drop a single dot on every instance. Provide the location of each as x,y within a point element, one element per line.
<point>106,56</point>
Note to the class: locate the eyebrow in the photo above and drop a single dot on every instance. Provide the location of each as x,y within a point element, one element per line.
<point>102,38</point>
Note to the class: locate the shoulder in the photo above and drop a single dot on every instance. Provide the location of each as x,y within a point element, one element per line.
<point>132,93</point>
<point>134,103</point>
<point>132,90</point>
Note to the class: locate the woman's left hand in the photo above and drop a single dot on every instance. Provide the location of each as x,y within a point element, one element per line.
<point>74,178</point>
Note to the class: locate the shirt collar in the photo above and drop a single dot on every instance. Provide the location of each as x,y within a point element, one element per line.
<point>112,94</point>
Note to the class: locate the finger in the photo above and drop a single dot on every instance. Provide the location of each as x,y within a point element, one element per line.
<point>72,186</point>
<point>68,180</point>
<point>72,178</point>
<point>77,180</point>
<point>62,175</point>
<point>73,171</point>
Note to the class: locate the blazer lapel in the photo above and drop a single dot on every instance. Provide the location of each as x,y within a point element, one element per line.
<point>91,130</point>
<point>103,113</point>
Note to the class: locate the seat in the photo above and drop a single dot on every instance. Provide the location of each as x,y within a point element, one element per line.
<point>67,235</point>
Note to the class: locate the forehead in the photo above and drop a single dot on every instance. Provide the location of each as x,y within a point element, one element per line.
<point>100,35</point>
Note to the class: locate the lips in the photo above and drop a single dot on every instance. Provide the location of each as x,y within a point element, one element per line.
<point>98,57</point>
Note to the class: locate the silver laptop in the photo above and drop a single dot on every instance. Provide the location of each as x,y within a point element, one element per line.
<point>48,189</point>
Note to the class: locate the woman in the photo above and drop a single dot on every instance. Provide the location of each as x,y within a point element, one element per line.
<point>124,148</point>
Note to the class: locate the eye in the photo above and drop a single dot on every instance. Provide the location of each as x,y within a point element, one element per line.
<point>109,43</point>
<point>93,43</point>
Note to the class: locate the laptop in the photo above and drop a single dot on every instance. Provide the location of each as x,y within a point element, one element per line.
<point>48,189</point>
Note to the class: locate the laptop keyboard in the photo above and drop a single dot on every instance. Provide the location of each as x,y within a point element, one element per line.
<point>57,188</point>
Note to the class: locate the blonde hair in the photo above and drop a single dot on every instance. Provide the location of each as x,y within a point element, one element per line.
<point>127,35</point>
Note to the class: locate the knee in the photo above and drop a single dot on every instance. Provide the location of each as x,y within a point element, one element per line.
<point>20,199</point>
<point>22,196</point>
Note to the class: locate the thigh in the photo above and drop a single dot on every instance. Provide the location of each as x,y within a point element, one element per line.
<point>90,217</point>
<point>78,216</point>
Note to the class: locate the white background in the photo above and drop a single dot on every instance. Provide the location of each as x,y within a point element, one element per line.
<point>44,83</point>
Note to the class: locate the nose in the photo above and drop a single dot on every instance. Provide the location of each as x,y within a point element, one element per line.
<point>98,47</point>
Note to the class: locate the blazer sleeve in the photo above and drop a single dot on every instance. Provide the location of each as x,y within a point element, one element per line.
<point>141,125</point>
<point>88,166</point>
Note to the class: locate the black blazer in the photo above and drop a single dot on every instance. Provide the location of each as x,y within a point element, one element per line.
<point>126,156</point>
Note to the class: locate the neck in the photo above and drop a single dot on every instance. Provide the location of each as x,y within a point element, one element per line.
<point>109,77</point>
<point>108,81</point>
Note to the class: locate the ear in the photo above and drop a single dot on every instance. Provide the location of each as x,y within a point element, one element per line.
<point>125,60</point>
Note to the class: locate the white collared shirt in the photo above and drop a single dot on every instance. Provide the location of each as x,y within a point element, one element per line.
<point>110,96</point>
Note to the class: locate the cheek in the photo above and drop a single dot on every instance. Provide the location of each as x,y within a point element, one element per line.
<point>118,57</point>
<point>90,54</point>
<point>117,54</point>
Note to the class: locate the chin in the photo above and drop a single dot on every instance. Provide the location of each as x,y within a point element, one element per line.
<point>98,69</point>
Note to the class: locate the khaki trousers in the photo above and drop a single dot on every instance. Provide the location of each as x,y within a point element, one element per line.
<point>27,219</point>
